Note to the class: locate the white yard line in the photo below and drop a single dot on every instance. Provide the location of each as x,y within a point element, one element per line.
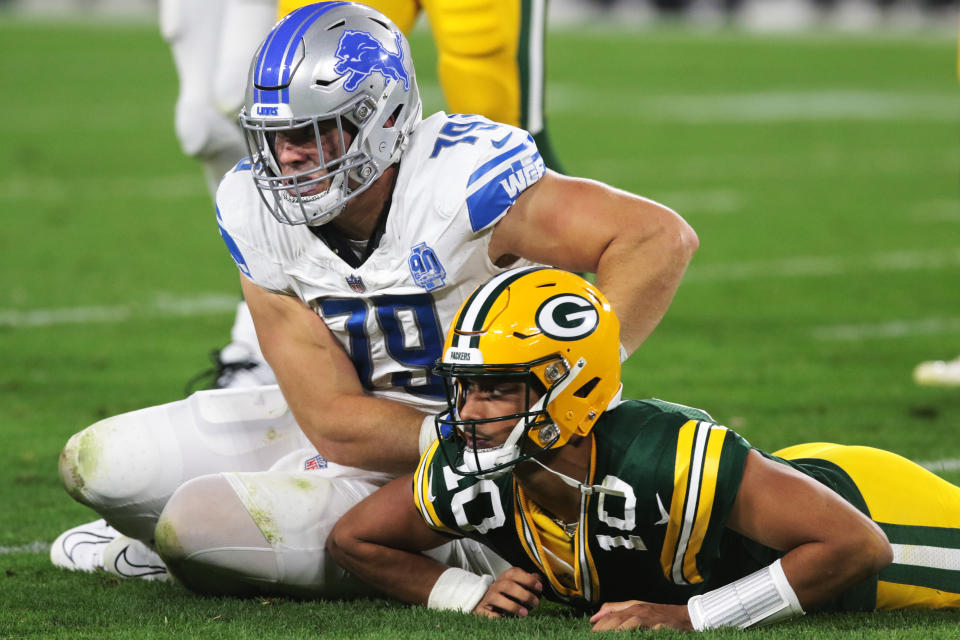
<point>773,106</point>
<point>797,267</point>
<point>829,266</point>
<point>950,464</point>
<point>734,108</point>
<point>806,266</point>
<point>34,547</point>
<point>160,307</point>
<point>707,201</point>
<point>947,210</point>
<point>52,189</point>
<point>887,330</point>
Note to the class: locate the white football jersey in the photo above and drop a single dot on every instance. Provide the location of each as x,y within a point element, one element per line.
<point>457,178</point>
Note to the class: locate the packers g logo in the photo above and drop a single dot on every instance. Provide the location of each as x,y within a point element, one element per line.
<point>567,317</point>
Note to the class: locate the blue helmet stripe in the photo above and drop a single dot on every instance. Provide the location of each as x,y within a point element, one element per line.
<point>276,55</point>
<point>259,95</point>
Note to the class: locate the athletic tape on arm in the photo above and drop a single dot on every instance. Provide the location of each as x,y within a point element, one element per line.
<point>428,432</point>
<point>761,598</point>
<point>458,590</point>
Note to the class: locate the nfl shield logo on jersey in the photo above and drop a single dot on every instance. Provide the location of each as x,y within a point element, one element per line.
<point>356,284</point>
<point>425,267</point>
<point>315,463</point>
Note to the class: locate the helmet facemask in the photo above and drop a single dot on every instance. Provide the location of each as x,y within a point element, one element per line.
<point>535,431</point>
<point>328,67</point>
<point>343,170</point>
<point>559,335</point>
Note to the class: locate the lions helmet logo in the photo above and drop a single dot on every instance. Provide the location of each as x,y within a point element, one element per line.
<point>567,317</point>
<point>360,54</point>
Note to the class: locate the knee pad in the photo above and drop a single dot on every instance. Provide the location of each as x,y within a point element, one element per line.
<point>211,543</point>
<point>126,467</point>
<point>236,533</point>
<point>119,469</point>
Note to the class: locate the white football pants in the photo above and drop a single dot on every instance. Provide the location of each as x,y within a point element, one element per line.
<point>213,43</point>
<point>243,501</point>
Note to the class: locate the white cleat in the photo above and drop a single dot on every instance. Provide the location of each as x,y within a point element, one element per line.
<point>938,373</point>
<point>81,548</point>
<point>129,558</point>
<point>240,366</point>
<point>236,366</point>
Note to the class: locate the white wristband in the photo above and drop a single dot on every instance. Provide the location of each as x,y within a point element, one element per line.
<point>428,432</point>
<point>458,590</point>
<point>760,598</point>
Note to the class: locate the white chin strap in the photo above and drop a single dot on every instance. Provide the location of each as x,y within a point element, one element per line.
<point>585,489</point>
<point>474,461</point>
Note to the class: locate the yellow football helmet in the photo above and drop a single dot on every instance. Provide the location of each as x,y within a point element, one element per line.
<point>549,328</point>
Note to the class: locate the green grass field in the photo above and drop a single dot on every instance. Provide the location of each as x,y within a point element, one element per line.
<point>822,173</point>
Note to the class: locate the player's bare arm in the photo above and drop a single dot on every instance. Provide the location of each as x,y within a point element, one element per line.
<point>321,386</point>
<point>379,541</point>
<point>638,248</point>
<point>830,545</point>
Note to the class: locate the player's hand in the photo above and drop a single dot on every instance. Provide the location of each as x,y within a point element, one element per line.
<point>514,593</point>
<point>635,614</point>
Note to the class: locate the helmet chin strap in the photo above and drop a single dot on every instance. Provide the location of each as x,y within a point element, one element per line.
<point>587,489</point>
<point>510,450</point>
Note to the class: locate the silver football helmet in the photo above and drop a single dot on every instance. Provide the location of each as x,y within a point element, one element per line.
<point>338,74</point>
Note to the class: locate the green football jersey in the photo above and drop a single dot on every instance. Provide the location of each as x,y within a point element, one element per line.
<point>655,532</point>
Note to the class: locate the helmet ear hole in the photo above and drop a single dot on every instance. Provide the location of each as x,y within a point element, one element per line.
<point>585,390</point>
<point>391,122</point>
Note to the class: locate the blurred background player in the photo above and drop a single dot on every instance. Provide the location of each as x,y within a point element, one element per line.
<point>490,57</point>
<point>490,62</point>
<point>212,43</point>
<point>938,373</point>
